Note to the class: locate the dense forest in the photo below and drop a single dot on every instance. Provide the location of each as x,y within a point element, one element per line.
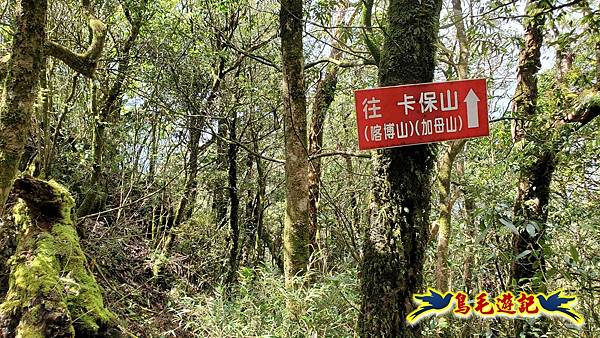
<point>191,168</point>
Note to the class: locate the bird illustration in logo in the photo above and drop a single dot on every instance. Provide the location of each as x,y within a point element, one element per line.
<point>432,302</point>
<point>557,304</point>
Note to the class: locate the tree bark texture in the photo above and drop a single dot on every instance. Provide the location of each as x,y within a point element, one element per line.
<point>105,115</point>
<point>445,165</point>
<point>248,254</point>
<point>86,62</point>
<point>45,106</point>
<point>525,98</point>
<point>540,140</point>
<point>394,243</point>
<point>20,88</point>
<point>324,96</point>
<point>195,125</point>
<point>295,232</point>
<point>535,174</point>
<point>51,291</point>
<point>446,162</point>
<point>184,211</point>
<point>463,41</point>
<point>234,201</point>
<point>530,208</point>
<point>471,234</point>
<point>253,220</point>
<point>530,216</point>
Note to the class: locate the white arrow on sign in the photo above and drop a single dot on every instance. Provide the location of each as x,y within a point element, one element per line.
<point>472,109</point>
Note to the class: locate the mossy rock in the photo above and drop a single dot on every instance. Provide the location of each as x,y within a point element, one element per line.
<point>51,292</point>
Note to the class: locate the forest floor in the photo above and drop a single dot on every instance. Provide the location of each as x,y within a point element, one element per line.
<point>177,303</point>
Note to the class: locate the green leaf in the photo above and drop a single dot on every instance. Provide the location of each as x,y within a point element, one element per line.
<point>509,225</point>
<point>482,235</point>
<point>531,229</point>
<point>523,254</point>
<point>574,253</point>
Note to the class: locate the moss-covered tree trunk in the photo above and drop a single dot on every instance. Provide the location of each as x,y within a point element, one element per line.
<point>51,291</point>
<point>540,140</point>
<point>445,165</point>
<point>446,162</point>
<point>20,88</point>
<point>105,116</point>
<point>537,166</point>
<point>536,169</point>
<point>395,240</point>
<point>21,72</point>
<point>295,232</point>
<point>470,237</point>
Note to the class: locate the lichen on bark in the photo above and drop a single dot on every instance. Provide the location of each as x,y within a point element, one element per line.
<point>51,292</point>
<point>295,231</point>
<point>83,63</point>
<point>395,241</point>
<point>19,93</point>
<point>21,72</point>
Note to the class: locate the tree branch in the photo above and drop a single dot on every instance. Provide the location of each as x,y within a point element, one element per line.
<point>340,63</point>
<point>342,153</point>
<point>368,30</point>
<point>85,63</point>
<point>116,90</point>
<point>587,109</point>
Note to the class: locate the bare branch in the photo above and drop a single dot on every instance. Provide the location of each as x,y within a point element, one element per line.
<point>340,63</point>
<point>342,153</point>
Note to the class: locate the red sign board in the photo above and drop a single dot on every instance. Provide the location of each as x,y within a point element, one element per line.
<point>421,113</point>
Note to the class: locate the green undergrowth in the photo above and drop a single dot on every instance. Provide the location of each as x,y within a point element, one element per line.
<point>257,307</point>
